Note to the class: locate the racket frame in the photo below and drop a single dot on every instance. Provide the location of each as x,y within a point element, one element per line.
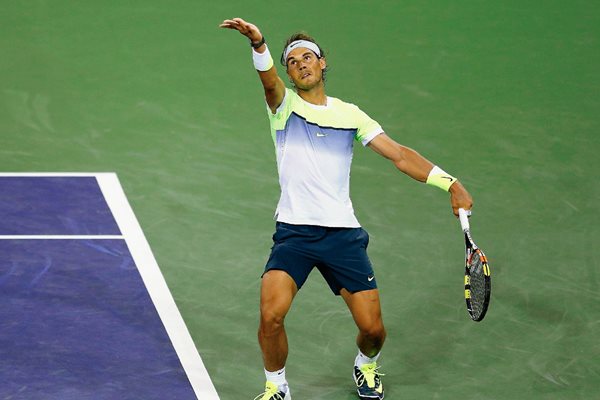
<point>470,249</point>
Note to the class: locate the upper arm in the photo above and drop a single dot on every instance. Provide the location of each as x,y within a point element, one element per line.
<point>274,88</point>
<point>387,147</point>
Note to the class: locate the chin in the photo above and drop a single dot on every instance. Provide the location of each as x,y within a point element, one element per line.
<point>306,85</point>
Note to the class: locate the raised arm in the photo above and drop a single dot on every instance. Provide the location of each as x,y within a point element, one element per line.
<point>272,83</point>
<point>418,167</point>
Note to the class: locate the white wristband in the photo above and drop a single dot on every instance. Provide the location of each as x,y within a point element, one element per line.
<point>262,61</point>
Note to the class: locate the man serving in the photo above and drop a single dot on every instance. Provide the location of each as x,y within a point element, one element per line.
<point>314,136</point>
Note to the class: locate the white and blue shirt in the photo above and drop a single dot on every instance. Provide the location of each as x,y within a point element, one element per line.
<point>314,154</point>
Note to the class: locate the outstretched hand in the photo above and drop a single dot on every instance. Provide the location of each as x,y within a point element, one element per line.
<point>247,29</point>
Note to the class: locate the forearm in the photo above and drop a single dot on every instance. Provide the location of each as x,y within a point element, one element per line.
<point>404,158</point>
<point>412,163</point>
<point>273,86</point>
<point>263,62</point>
<point>421,169</point>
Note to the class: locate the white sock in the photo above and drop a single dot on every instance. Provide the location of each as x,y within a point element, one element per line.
<point>361,359</point>
<point>278,378</point>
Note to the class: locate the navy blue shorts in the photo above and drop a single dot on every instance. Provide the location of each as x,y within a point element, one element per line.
<point>340,254</point>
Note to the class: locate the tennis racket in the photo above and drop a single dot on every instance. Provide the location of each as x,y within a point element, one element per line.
<point>478,284</point>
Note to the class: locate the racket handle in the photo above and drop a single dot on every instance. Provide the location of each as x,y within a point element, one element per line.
<point>463,216</point>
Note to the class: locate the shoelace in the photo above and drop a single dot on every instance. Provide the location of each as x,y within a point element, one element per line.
<point>272,392</point>
<point>371,374</point>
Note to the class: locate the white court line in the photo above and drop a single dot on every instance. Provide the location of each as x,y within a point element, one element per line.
<point>60,237</point>
<point>51,174</point>
<point>157,287</point>
<point>148,269</point>
<point>56,175</point>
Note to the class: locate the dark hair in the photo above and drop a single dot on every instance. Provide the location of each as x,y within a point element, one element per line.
<point>302,36</point>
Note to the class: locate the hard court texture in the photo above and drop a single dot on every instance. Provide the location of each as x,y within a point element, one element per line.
<point>504,95</point>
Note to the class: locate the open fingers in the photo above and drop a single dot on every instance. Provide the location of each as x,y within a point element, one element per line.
<point>229,23</point>
<point>247,29</point>
<point>235,23</point>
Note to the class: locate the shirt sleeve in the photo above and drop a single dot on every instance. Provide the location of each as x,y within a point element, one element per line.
<point>367,128</point>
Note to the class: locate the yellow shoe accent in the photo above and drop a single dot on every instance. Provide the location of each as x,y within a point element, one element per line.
<point>370,372</point>
<point>272,393</point>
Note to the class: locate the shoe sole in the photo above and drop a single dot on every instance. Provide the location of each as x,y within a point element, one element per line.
<point>370,398</point>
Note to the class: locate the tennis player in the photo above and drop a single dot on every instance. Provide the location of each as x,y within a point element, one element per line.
<point>316,226</point>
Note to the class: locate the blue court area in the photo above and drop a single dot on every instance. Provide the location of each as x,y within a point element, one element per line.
<point>54,205</point>
<point>77,319</point>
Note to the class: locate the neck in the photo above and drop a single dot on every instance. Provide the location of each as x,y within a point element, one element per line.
<point>315,95</point>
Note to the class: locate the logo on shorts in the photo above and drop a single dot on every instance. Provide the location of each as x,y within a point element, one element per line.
<point>321,134</point>
<point>370,278</point>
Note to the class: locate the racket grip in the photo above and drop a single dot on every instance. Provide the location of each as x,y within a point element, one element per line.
<point>463,216</point>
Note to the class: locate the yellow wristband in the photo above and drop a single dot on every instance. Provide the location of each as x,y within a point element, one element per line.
<point>440,178</point>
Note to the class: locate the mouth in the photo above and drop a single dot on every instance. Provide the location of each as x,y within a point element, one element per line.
<point>305,75</point>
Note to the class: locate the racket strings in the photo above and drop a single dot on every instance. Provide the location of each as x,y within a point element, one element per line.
<point>477,284</point>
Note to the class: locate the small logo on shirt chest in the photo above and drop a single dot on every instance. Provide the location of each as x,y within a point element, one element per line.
<point>321,134</point>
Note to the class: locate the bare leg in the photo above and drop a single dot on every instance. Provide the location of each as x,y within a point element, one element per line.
<point>366,311</point>
<point>277,292</point>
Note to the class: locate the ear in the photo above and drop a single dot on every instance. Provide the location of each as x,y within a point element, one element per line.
<point>323,63</point>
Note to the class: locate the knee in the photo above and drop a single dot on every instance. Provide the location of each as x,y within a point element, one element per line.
<point>375,332</point>
<point>271,322</point>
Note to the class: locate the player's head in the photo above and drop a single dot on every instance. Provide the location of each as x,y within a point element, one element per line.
<point>304,60</point>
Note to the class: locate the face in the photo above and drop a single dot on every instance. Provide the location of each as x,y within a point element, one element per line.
<point>304,68</point>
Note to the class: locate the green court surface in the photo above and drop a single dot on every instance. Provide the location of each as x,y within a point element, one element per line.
<point>504,95</point>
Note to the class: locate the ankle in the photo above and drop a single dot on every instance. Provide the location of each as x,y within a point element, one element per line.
<point>362,359</point>
<point>278,378</point>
